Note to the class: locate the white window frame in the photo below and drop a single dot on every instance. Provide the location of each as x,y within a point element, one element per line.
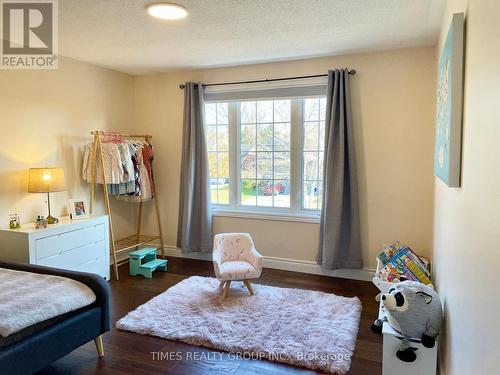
<point>296,211</point>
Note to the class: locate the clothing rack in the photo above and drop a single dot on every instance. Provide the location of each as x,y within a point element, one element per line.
<point>136,240</point>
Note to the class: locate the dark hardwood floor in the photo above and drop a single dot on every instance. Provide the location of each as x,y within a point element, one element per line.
<point>130,353</point>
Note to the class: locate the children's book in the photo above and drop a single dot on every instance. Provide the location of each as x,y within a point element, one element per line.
<point>406,264</point>
<point>393,272</point>
<point>389,251</point>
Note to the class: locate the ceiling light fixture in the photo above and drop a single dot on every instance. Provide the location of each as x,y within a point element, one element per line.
<point>166,11</point>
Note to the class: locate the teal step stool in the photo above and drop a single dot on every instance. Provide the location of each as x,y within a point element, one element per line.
<point>143,262</point>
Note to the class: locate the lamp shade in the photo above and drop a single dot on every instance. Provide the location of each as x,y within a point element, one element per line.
<point>46,180</point>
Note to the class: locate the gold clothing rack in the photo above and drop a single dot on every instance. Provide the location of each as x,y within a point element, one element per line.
<point>138,239</point>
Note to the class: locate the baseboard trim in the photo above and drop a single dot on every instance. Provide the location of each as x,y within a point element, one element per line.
<point>284,264</point>
<point>309,267</point>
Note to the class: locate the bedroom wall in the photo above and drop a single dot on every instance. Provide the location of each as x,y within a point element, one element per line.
<point>393,97</point>
<point>46,118</point>
<point>467,219</point>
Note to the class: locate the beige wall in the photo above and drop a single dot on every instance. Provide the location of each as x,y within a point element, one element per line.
<point>467,219</point>
<point>393,98</point>
<point>49,115</point>
<point>46,118</point>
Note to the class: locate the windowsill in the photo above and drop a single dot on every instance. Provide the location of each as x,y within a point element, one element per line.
<point>272,216</point>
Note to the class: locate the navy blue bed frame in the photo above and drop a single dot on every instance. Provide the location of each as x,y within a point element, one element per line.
<point>39,350</point>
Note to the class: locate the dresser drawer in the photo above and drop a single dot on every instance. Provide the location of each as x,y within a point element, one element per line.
<point>53,245</point>
<point>98,266</point>
<point>74,257</point>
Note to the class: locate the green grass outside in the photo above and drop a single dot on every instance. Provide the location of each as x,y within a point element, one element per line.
<point>247,193</point>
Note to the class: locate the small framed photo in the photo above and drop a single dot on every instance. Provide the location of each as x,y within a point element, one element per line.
<point>78,208</point>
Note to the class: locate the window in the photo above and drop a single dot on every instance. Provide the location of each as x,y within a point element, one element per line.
<point>313,152</point>
<point>264,128</point>
<point>217,131</point>
<point>267,155</point>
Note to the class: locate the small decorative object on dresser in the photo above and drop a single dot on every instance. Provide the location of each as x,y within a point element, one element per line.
<point>41,222</point>
<point>78,208</point>
<point>14,221</point>
<point>81,245</point>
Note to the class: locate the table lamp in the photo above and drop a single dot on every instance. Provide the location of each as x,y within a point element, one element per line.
<point>46,180</point>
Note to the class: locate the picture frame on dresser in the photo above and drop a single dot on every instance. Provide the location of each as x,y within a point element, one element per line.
<point>77,245</point>
<point>78,208</point>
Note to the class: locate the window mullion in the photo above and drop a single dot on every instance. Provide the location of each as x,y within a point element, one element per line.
<point>234,154</point>
<point>256,155</point>
<point>272,162</point>
<point>217,176</point>
<point>295,155</point>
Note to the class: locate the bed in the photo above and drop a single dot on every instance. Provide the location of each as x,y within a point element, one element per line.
<point>37,346</point>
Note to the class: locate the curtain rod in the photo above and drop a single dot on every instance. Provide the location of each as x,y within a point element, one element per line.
<point>182,86</point>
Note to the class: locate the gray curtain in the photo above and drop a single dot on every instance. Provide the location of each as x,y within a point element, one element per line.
<point>339,242</point>
<point>194,231</point>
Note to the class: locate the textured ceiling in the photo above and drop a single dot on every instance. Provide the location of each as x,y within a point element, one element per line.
<point>119,34</point>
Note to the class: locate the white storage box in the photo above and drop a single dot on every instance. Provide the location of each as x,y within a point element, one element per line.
<point>425,364</point>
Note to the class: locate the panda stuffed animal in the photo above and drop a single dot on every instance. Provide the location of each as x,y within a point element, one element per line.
<point>414,310</point>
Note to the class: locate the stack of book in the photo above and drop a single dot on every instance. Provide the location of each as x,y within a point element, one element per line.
<point>400,263</point>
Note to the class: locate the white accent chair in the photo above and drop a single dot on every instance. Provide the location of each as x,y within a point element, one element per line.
<point>236,259</point>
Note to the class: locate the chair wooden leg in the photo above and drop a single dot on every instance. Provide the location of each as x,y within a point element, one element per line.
<point>222,283</point>
<point>249,286</point>
<point>99,346</point>
<point>226,289</point>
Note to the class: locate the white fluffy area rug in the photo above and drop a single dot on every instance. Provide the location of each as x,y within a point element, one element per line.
<point>299,327</point>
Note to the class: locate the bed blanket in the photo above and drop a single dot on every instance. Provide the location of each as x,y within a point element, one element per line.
<point>29,298</point>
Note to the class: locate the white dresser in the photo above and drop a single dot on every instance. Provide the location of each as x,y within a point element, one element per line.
<point>78,245</point>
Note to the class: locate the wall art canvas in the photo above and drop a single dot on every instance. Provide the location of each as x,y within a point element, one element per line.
<point>448,148</point>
